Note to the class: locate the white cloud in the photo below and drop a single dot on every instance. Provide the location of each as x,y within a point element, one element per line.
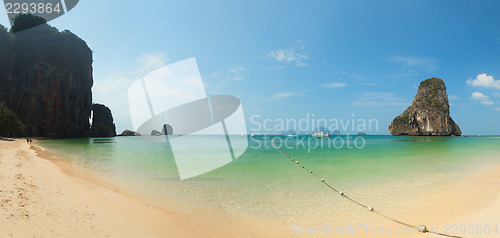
<point>212,83</point>
<point>112,90</point>
<point>380,99</point>
<point>479,96</point>
<point>236,73</point>
<point>150,62</point>
<point>496,94</point>
<point>237,69</point>
<point>497,109</point>
<point>288,56</point>
<point>356,78</point>
<point>487,102</point>
<point>426,63</point>
<point>350,75</point>
<point>483,80</point>
<point>333,85</point>
<point>483,99</point>
<point>452,97</point>
<point>237,78</point>
<point>283,95</point>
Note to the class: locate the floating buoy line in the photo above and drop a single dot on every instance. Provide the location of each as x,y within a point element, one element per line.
<point>420,228</point>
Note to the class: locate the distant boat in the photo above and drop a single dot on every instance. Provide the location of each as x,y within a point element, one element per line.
<point>243,134</point>
<point>291,135</point>
<point>252,135</point>
<point>321,134</point>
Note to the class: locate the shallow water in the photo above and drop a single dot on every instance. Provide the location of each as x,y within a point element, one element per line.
<point>266,187</point>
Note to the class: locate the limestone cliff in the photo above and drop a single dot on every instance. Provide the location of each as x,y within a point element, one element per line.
<point>46,79</point>
<point>102,122</point>
<point>167,130</point>
<point>129,133</point>
<point>429,114</point>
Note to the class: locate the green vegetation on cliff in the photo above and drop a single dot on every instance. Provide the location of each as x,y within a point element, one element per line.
<point>10,124</point>
<point>429,114</point>
<point>26,21</point>
<point>401,123</point>
<point>46,78</point>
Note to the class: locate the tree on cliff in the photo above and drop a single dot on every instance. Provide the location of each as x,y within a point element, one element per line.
<point>10,124</point>
<point>429,114</point>
<point>102,122</point>
<point>26,21</point>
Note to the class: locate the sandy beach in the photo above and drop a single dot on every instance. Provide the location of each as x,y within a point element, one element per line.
<point>41,196</point>
<point>467,208</point>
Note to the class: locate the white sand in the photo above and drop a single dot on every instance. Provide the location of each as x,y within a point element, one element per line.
<point>41,199</point>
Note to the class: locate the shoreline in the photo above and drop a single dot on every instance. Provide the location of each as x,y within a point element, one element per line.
<point>229,226</point>
<point>54,198</point>
<point>43,198</point>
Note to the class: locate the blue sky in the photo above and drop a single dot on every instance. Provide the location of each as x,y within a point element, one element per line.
<point>290,59</point>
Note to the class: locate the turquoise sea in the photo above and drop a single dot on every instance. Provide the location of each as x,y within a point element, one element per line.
<point>265,187</point>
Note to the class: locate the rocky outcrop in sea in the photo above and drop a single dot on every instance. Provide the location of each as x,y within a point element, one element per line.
<point>102,122</point>
<point>429,114</point>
